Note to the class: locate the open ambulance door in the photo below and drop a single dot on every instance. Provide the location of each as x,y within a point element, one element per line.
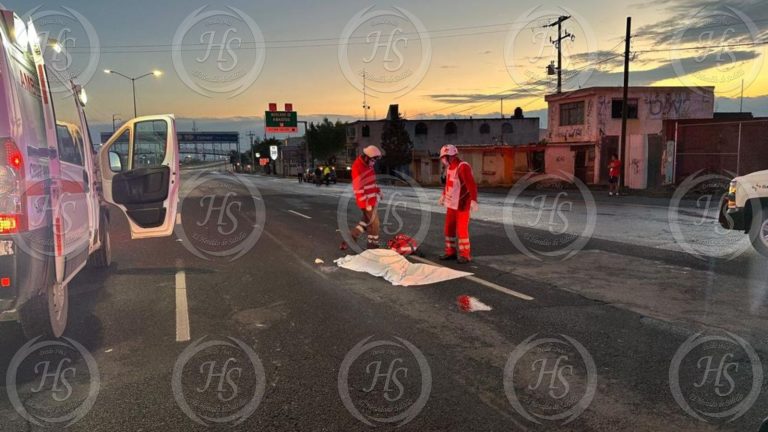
<point>140,174</point>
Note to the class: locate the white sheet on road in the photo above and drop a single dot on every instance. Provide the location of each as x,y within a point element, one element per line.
<point>396,269</point>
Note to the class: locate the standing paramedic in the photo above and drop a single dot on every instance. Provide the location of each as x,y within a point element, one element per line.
<point>460,198</point>
<point>367,195</point>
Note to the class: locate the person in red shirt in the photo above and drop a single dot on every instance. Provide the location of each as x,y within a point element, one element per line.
<point>460,198</point>
<point>614,172</point>
<point>367,196</point>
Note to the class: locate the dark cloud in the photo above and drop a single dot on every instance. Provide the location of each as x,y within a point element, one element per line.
<point>707,22</point>
<point>669,68</point>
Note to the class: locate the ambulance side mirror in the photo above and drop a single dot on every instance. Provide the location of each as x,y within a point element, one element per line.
<point>114,162</point>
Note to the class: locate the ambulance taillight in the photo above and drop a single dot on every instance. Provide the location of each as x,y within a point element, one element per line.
<point>11,188</point>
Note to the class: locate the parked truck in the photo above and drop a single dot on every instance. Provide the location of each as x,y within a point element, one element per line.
<point>745,208</point>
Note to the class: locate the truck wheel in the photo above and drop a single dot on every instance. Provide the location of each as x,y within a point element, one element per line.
<point>102,258</point>
<point>759,232</point>
<point>46,314</point>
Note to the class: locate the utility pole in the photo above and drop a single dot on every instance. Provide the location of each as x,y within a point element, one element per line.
<point>502,108</point>
<point>741,103</point>
<point>625,100</point>
<point>559,45</point>
<point>365,97</point>
<point>251,135</point>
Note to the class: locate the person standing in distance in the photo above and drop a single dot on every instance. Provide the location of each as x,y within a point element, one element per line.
<point>614,172</point>
<point>460,198</point>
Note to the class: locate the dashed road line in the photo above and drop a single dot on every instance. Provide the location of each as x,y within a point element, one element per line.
<point>483,282</point>
<point>182,308</point>
<point>299,214</point>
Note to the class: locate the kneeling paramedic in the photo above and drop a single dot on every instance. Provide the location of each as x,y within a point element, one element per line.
<point>460,198</point>
<point>367,195</point>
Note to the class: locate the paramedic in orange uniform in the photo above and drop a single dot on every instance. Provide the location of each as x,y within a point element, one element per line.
<point>367,195</point>
<point>460,198</point>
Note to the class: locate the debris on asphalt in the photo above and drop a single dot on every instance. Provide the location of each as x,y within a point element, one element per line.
<point>471,304</point>
<point>319,261</point>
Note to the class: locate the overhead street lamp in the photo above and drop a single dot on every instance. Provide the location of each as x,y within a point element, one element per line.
<point>155,73</point>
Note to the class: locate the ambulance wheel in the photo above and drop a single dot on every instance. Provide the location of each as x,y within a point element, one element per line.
<point>102,258</point>
<point>45,313</point>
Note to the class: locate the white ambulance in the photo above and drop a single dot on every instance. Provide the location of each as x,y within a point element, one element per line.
<point>54,183</point>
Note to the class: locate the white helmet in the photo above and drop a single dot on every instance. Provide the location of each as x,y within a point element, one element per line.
<point>449,150</point>
<point>372,152</point>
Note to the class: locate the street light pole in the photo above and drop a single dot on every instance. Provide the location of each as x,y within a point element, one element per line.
<point>133,85</point>
<point>133,80</point>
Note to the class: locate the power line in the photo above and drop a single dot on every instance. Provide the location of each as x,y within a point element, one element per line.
<point>702,47</point>
<point>531,83</point>
<point>313,42</point>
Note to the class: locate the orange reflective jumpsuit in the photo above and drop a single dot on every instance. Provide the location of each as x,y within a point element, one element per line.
<point>460,190</point>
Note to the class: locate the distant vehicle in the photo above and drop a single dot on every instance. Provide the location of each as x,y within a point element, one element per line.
<point>54,184</point>
<point>745,208</point>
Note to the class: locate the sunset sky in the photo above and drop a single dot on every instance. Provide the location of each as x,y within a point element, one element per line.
<point>434,57</point>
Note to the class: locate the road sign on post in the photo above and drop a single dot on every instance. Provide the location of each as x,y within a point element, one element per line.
<point>282,121</point>
<point>273,152</point>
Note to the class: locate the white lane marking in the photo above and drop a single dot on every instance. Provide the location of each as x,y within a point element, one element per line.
<point>178,218</point>
<point>182,308</point>
<point>299,214</point>
<point>482,282</point>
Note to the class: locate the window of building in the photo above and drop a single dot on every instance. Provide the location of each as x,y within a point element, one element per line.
<point>485,129</point>
<point>421,129</point>
<point>366,131</point>
<point>507,128</point>
<point>351,132</point>
<point>617,105</point>
<point>451,129</point>
<point>572,113</point>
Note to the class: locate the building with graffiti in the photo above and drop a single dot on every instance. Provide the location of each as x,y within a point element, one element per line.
<point>585,127</point>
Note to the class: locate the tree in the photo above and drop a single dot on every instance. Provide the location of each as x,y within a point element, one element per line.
<point>325,139</point>
<point>396,144</point>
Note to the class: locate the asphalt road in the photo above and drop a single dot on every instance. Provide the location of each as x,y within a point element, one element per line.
<point>606,343</point>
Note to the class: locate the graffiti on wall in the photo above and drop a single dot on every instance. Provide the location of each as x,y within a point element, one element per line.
<point>669,105</point>
<point>570,133</point>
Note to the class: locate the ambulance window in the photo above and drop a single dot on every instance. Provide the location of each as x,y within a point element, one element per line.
<point>149,144</point>
<point>68,149</point>
<point>120,146</point>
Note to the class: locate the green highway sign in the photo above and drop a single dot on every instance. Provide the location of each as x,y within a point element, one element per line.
<point>282,121</point>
